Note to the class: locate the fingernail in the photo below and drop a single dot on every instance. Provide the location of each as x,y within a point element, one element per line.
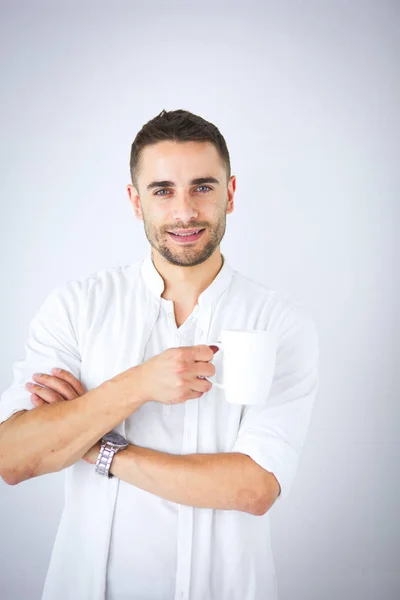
<point>56,370</point>
<point>214,349</point>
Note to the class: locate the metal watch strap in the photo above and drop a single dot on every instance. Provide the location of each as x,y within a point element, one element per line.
<point>104,460</point>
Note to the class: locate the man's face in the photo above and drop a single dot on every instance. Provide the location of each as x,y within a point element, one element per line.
<point>170,201</point>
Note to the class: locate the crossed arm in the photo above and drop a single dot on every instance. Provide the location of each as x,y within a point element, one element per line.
<point>229,480</point>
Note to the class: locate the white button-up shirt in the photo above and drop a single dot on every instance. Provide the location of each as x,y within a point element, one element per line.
<point>143,549</point>
<point>107,322</point>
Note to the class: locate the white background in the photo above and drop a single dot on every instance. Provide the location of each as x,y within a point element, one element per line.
<point>306,95</point>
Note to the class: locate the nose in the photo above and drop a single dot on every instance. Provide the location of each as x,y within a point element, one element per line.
<point>184,208</point>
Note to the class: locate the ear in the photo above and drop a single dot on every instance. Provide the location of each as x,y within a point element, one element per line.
<point>231,194</point>
<point>135,201</point>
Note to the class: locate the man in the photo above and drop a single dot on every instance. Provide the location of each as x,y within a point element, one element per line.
<point>184,514</point>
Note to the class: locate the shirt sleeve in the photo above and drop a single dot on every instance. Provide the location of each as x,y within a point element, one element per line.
<point>52,341</point>
<point>273,433</point>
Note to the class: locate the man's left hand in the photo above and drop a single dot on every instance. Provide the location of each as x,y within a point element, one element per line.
<point>59,387</point>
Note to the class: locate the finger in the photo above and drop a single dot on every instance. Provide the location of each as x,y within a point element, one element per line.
<point>71,379</point>
<point>202,353</point>
<point>203,369</point>
<point>56,384</point>
<point>44,393</point>
<point>190,395</point>
<point>194,394</point>
<point>200,385</point>
<point>36,401</point>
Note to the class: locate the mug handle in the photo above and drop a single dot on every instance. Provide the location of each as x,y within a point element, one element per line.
<point>210,379</point>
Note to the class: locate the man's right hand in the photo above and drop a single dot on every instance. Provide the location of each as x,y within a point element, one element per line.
<point>172,377</point>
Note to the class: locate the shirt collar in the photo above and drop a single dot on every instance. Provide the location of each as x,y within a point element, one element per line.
<point>155,283</point>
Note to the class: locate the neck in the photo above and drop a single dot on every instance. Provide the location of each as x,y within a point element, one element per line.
<point>185,284</point>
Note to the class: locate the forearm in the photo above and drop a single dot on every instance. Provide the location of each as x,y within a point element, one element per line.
<point>221,481</point>
<point>52,437</point>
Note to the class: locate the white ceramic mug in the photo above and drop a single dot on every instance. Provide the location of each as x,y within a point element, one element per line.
<point>247,359</point>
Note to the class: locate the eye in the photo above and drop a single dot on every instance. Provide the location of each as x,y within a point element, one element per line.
<point>207,187</point>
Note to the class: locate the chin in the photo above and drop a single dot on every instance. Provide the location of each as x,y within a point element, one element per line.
<point>187,257</point>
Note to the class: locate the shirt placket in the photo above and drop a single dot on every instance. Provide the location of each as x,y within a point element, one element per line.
<point>150,320</point>
<point>178,340</point>
<point>189,446</point>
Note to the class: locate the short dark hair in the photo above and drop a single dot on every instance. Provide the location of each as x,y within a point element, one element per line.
<point>179,125</point>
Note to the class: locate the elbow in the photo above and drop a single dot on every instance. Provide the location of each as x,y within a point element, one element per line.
<point>6,474</point>
<point>10,471</point>
<point>259,508</point>
<point>260,502</point>
<point>253,502</point>
<point>262,506</point>
<point>10,479</point>
<point>15,476</point>
<point>9,476</point>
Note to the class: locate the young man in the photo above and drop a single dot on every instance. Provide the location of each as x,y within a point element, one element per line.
<point>177,508</point>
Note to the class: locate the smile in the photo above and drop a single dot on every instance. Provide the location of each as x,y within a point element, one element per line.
<point>185,237</point>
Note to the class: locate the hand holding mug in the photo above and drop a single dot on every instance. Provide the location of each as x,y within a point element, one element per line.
<point>177,374</point>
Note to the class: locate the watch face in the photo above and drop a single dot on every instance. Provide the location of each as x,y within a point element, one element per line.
<point>114,438</point>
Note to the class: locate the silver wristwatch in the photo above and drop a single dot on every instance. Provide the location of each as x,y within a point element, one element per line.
<point>111,443</point>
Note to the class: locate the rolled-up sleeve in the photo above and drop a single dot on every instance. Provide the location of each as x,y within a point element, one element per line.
<point>52,341</point>
<point>273,433</point>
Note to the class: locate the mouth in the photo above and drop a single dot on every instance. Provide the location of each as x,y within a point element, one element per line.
<point>186,236</point>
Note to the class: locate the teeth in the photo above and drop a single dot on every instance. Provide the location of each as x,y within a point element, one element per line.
<point>186,234</point>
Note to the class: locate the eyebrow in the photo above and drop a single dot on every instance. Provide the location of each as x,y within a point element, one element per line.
<point>197,181</point>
